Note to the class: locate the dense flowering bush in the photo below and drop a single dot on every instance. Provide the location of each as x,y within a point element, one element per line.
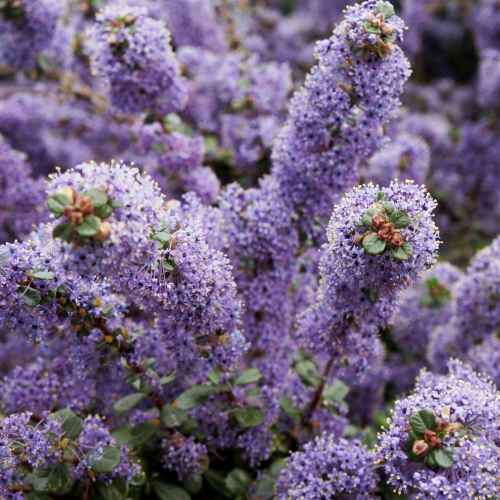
<point>230,253</point>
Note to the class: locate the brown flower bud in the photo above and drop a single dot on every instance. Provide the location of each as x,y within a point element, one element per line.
<point>386,230</point>
<point>420,448</point>
<point>455,427</point>
<point>370,17</point>
<point>358,239</point>
<point>70,193</point>
<point>431,438</point>
<point>377,23</point>
<point>387,29</point>
<point>396,240</point>
<point>84,204</point>
<point>381,17</point>
<point>104,231</point>
<point>378,220</point>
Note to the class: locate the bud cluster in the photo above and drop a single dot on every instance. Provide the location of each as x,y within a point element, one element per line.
<point>85,213</point>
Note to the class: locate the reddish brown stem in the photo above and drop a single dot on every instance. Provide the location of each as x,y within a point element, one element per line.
<point>319,391</point>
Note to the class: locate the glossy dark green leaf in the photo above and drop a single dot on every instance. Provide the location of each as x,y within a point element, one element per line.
<point>172,417</point>
<point>122,434</point>
<point>308,373</point>
<point>166,491</point>
<point>29,296</point>
<point>195,396</point>
<point>71,424</point>
<point>442,457</point>
<point>388,207</point>
<point>57,203</point>
<point>367,217</point>
<point>63,231</point>
<point>117,489</point>
<point>99,198</point>
<point>110,459</point>
<point>128,402</point>
<point>42,275</point>
<point>104,212</point>
<point>370,28</point>
<point>336,392</point>
<point>422,421</point>
<point>404,252</point>
<point>373,245</point>
<point>142,433</point>
<point>250,376</point>
<point>238,481</point>
<point>89,226</point>
<point>248,417</point>
<point>385,8</point>
<point>51,478</point>
<point>193,483</point>
<point>400,219</point>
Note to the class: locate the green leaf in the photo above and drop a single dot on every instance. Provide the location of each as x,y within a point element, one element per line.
<point>51,478</point>
<point>430,460</point>
<point>442,457</point>
<point>162,237</point>
<point>404,252</point>
<point>412,436</point>
<point>29,296</point>
<point>373,245</point>
<point>373,295</point>
<point>265,488</point>
<point>57,203</point>
<point>110,459</point>
<point>128,402</point>
<point>422,421</point>
<point>214,376</point>
<point>389,208</point>
<point>385,8</point>
<point>167,379</point>
<point>408,449</point>
<point>42,275</point>
<point>63,231</point>
<point>286,404</point>
<point>104,212</point>
<point>359,51</point>
<point>158,148</point>
<point>380,197</point>
<point>336,392</point>
<point>250,376</point>
<point>238,481</point>
<point>142,433</point>
<point>116,490</point>
<point>400,219</point>
<point>115,204</point>
<point>367,217</point>
<point>172,417</point>
<point>166,491</point>
<point>370,28</point>
<point>122,434</point>
<point>72,425</point>
<point>217,480</point>
<point>89,226</point>
<point>308,373</point>
<point>193,483</point>
<point>248,417</point>
<point>195,396</point>
<point>99,198</point>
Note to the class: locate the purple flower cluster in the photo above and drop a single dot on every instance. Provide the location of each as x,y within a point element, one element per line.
<point>27,27</point>
<point>132,56</point>
<point>335,119</point>
<point>328,468</point>
<point>441,440</point>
